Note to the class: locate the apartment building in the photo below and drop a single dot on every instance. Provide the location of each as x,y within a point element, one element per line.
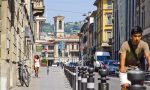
<point>104,24</point>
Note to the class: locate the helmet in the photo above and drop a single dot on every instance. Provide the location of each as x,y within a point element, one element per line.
<point>136,29</point>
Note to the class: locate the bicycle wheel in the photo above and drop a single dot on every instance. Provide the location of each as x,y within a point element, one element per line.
<point>21,78</point>
<point>26,78</point>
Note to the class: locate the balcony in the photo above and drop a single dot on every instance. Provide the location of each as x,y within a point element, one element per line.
<point>109,7</point>
<point>50,58</point>
<point>74,50</point>
<point>38,8</point>
<point>48,51</point>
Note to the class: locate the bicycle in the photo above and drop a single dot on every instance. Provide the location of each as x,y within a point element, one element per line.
<point>24,76</point>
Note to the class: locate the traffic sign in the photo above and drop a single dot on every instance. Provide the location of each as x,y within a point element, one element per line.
<point>59,46</point>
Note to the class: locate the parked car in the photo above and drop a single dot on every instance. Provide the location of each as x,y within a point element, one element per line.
<point>112,66</point>
<point>73,64</point>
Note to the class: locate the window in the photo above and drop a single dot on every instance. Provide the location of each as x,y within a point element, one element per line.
<point>109,4</point>
<point>50,54</point>
<point>72,46</point>
<point>108,35</point>
<point>77,46</point>
<point>50,47</point>
<point>66,54</point>
<point>109,19</point>
<point>60,24</point>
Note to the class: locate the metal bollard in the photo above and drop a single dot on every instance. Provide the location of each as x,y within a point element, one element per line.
<point>90,80</point>
<point>74,78</point>
<point>137,78</point>
<point>84,79</point>
<point>103,85</point>
<point>79,78</point>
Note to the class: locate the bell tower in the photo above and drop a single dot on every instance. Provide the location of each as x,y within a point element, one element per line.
<point>59,26</point>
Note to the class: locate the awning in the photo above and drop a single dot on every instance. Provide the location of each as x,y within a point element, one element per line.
<point>105,45</point>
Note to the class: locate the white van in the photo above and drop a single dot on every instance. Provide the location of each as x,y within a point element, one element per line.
<point>100,56</point>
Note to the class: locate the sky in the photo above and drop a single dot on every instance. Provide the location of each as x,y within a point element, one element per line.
<point>72,10</point>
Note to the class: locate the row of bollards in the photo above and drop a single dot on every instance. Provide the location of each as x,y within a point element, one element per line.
<point>86,80</point>
<point>70,73</point>
<point>82,78</point>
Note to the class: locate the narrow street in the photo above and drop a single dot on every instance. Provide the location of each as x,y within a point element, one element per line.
<point>56,80</point>
<point>71,33</point>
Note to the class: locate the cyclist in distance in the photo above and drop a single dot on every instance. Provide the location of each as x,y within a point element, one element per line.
<point>36,65</point>
<point>130,55</point>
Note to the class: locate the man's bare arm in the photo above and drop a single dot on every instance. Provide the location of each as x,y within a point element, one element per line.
<point>147,55</point>
<point>122,62</point>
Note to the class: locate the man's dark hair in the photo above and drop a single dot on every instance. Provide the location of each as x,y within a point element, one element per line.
<point>136,29</point>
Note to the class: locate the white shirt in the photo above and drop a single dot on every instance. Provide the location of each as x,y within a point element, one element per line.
<point>37,62</point>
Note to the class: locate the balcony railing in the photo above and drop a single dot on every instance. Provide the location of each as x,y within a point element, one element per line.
<point>109,7</point>
<point>74,50</point>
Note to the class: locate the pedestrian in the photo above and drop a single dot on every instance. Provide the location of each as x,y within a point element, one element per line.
<point>131,53</point>
<point>47,70</point>
<point>36,65</point>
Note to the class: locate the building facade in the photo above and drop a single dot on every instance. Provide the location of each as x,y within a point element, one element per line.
<point>58,46</point>
<point>104,24</point>
<point>16,41</point>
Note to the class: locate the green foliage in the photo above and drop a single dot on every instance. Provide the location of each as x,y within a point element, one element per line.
<point>38,48</point>
<point>70,27</point>
<point>44,61</point>
<point>47,27</point>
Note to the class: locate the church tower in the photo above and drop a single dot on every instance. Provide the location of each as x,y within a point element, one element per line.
<point>59,26</point>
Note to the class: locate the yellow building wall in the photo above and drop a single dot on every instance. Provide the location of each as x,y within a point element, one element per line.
<point>102,21</point>
<point>104,18</point>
